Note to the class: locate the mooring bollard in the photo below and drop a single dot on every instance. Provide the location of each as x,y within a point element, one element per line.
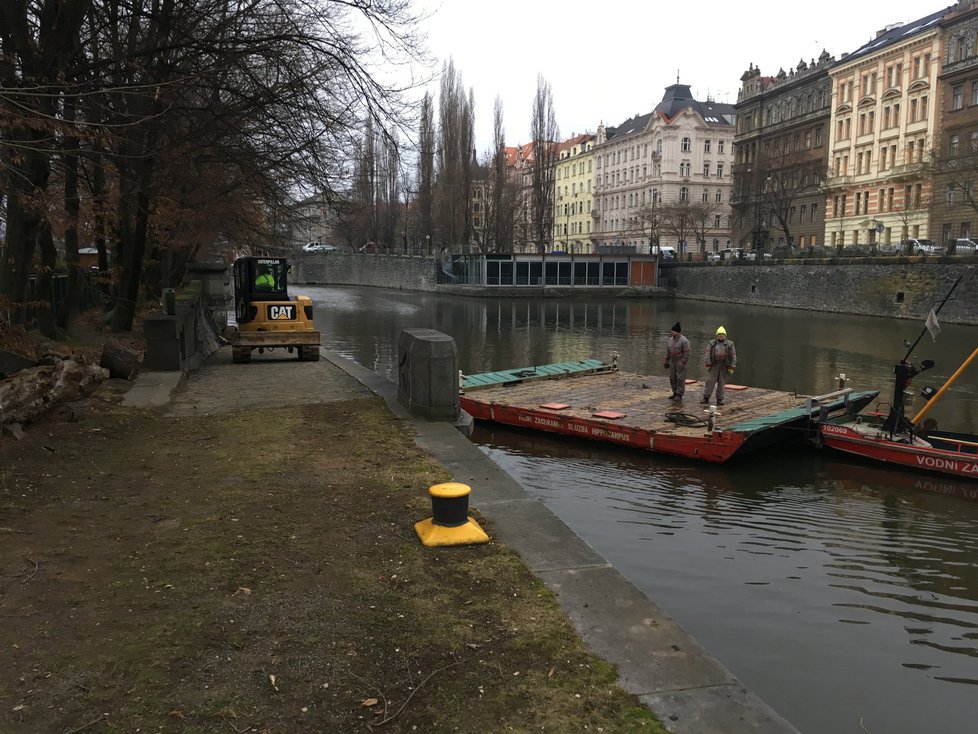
<point>450,523</point>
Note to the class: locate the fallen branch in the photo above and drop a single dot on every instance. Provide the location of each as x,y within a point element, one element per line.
<point>32,572</point>
<point>83,727</point>
<point>420,686</point>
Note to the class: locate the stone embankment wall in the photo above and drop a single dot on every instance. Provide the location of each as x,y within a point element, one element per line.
<point>382,271</point>
<point>873,287</point>
<point>906,289</point>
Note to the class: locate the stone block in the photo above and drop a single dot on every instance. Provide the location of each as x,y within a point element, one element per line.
<point>428,374</point>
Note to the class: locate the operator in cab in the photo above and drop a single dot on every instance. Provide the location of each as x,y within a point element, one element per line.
<point>264,281</point>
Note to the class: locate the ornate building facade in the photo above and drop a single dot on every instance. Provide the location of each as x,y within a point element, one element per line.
<point>884,121</point>
<point>663,178</point>
<point>781,156</point>
<point>956,150</point>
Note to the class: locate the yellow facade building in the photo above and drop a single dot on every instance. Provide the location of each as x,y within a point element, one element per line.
<point>573,197</point>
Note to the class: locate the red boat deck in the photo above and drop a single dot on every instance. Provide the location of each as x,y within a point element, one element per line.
<point>635,410</point>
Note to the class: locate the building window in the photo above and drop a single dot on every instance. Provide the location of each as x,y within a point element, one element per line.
<point>949,195</point>
<point>952,146</point>
<point>716,221</point>
<point>957,97</point>
<point>719,198</point>
<point>684,194</point>
<point>720,146</point>
<point>719,170</point>
<point>706,170</point>
<point>706,146</point>
<point>706,196</point>
<point>818,137</point>
<point>687,145</point>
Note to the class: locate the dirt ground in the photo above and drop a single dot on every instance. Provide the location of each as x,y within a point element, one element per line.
<point>258,571</point>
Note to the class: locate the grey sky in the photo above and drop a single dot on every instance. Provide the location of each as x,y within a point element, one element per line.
<point>608,61</point>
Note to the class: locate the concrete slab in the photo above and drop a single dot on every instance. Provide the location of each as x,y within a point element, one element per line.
<point>539,536</point>
<point>716,710</point>
<point>152,388</point>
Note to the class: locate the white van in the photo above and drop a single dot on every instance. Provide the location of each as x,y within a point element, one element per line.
<point>666,253</point>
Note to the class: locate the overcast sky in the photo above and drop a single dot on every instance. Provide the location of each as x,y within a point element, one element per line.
<point>607,61</point>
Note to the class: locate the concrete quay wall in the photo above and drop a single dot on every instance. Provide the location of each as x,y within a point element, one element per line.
<point>402,272</point>
<point>906,288</point>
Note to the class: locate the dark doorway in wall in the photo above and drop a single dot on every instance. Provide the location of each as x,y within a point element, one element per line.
<point>899,297</point>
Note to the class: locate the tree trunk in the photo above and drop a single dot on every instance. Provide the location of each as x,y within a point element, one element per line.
<point>45,282</point>
<point>120,360</point>
<point>70,306</point>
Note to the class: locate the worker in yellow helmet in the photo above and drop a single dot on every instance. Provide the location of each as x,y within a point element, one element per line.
<point>721,360</point>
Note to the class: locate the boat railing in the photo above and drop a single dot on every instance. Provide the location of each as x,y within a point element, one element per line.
<point>816,403</point>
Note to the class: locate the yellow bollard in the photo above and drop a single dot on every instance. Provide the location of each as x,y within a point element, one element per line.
<point>450,524</point>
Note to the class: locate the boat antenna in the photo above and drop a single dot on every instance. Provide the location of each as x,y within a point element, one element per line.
<point>937,310</point>
<point>905,371</point>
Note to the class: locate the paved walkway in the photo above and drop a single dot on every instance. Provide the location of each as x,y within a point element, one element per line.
<point>689,690</point>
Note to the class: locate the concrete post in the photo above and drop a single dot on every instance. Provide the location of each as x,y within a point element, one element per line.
<point>427,383</point>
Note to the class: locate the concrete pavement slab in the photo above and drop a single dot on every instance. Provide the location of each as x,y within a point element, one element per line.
<point>152,389</point>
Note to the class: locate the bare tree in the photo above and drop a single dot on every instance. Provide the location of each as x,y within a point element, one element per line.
<point>426,168</point>
<point>247,100</point>
<point>452,223</point>
<point>545,134</point>
<point>914,206</point>
<point>501,190</point>
<point>679,221</point>
<point>648,223</point>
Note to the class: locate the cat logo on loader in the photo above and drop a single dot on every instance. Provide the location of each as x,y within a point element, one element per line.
<point>267,317</point>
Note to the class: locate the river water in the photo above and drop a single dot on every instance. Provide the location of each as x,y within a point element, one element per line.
<point>845,595</point>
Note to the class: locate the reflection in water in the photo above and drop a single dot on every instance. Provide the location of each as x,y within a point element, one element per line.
<point>844,594</point>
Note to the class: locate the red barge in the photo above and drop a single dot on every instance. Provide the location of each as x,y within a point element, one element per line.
<point>594,400</point>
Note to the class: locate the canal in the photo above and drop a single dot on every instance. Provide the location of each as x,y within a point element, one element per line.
<point>845,595</point>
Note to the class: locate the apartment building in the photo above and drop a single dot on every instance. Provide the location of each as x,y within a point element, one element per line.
<point>956,150</point>
<point>663,178</point>
<point>884,120</point>
<point>573,181</point>
<point>781,156</point>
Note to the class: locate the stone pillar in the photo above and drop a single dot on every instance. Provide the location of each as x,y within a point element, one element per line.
<point>215,282</point>
<point>427,383</point>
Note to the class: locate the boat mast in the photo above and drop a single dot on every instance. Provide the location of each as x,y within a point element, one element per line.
<point>905,371</point>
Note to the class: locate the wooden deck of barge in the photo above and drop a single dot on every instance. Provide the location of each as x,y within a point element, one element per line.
<point>592,400</point>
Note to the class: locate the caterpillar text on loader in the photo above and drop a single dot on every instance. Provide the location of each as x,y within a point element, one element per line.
<point>267,317</point>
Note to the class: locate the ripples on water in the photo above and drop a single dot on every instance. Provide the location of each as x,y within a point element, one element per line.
<point>813,581</point>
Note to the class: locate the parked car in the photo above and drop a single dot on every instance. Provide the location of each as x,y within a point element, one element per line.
<point>923,247</point>
<point>318,247</point>
<point>889,248</point>
<point>962,246</point>
<point>713,257</point>
<point>732,253</point>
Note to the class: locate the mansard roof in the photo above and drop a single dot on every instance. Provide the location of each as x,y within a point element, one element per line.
<point>631,126</point>
<point>894,34</point>
<point>678,97</point>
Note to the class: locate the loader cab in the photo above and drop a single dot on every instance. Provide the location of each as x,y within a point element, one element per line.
<point>258,279</point>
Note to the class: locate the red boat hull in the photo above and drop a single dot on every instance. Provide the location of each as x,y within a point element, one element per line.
<point>716,447</point>
<point>842,437</point>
